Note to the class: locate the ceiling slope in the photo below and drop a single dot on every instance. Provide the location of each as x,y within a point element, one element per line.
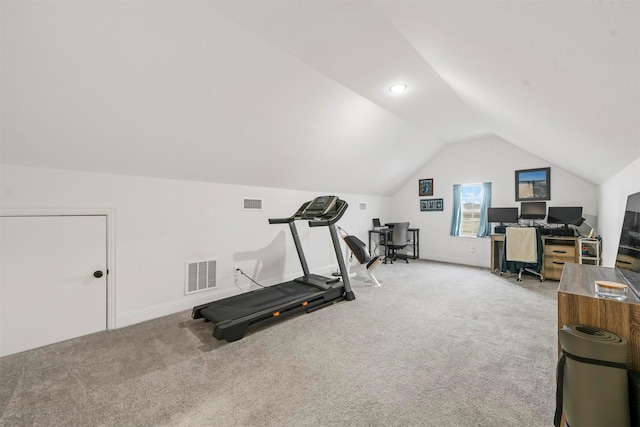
<point>295,94</point>
<point>559,79</point>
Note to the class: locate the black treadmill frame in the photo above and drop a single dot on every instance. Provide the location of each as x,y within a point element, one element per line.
<point>316,291</point>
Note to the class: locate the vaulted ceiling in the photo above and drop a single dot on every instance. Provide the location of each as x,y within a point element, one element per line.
<point>294,94</point>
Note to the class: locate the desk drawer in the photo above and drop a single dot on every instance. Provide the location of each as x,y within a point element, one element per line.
<point>560,251</point>
<point>553,267</point>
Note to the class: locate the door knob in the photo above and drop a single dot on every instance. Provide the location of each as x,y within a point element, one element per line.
<point>97,274</point>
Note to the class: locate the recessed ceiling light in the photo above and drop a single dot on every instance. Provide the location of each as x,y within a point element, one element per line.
<point>399,88</point>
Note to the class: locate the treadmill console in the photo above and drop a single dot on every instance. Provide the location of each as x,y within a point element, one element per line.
<point>319,207</point>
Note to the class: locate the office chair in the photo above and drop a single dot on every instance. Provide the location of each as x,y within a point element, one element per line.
<point>398,241</point>
<point>522,252</point>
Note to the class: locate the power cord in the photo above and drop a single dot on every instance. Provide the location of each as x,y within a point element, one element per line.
<point>248,277</point>
<point>343,230</point>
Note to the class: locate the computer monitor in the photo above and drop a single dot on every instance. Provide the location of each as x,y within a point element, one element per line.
<point>503,215</point>
<point>565,215</point>
<point>533,210</point>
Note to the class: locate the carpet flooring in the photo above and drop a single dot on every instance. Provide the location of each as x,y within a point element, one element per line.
<point>436,345</point>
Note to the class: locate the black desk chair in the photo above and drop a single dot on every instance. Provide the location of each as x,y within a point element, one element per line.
<point>398,241</point>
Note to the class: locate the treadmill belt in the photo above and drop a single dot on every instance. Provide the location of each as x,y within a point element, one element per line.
<point>251,302</point>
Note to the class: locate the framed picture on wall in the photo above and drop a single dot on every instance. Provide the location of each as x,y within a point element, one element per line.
<point>533,184</point>
<point>431,205</point>
<point>425,187</point>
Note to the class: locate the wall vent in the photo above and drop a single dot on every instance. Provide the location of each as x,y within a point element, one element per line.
<point>251,204</point>
<point>363,206</point>
<point>201,275</point>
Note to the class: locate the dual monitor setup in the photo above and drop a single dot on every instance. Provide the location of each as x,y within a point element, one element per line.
<point>560,215</point>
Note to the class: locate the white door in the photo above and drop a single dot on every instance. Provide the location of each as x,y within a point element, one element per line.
<point>53,279</point>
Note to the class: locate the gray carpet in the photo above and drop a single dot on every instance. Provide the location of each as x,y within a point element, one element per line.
<point>436,345</point>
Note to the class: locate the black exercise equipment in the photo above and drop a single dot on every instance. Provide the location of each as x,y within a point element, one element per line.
<point>231,316</point>
<point>367,264</point>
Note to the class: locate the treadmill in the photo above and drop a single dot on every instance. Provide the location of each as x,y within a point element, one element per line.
<point>231,316</point>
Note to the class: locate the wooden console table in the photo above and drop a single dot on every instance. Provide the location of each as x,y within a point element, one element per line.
<point>577,304</point>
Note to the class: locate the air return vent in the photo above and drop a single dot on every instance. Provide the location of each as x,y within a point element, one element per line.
<point>363,206</point>
<point>201,275</point>
<point>251,204</point>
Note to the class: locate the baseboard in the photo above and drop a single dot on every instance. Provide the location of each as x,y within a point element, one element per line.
<point>153,312</point>
<point>462,261</point>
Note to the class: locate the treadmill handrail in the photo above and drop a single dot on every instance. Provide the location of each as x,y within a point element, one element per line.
<point>281,220</point>
<point>292,217</point>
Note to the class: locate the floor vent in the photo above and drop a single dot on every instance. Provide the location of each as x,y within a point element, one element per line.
<point>252,204</point>
<point>201,275</point>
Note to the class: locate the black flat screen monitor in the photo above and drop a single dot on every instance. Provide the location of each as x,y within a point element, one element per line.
<point>565,215</point>
<point>533,210</point>
<point>503,215</point>
<point>628,258</point>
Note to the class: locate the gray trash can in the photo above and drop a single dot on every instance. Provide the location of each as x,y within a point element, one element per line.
<point>592,378</point>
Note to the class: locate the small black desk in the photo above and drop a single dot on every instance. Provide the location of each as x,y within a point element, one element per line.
<point>384,235</point>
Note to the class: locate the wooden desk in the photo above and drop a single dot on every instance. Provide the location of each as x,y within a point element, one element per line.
<point>557,251</point>
<point>577,304</point>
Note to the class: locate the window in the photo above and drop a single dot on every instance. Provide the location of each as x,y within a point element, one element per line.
<point>470,205</point>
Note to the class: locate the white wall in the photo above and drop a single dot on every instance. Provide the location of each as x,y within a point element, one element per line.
<point>161,224</point>
<point>613,200</point>
<point>485,159</point>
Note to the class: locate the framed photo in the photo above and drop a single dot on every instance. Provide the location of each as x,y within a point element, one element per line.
<point>425,187</point>
<point>431,205</point>
<point>533,184</point>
